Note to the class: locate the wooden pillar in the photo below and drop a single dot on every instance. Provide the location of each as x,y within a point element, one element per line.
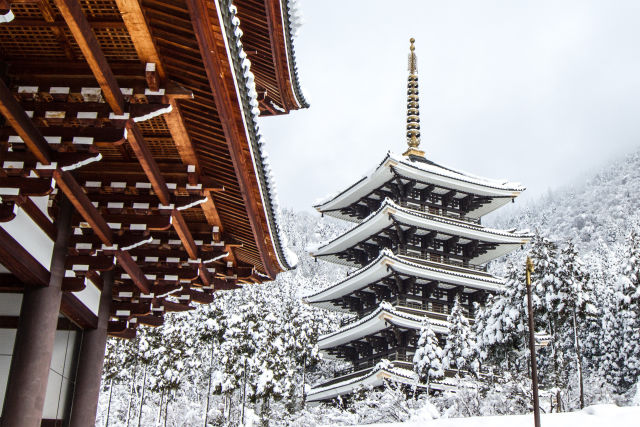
<point>35,337</point>
<point>91,360</point>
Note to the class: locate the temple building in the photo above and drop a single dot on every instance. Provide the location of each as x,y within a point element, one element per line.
<point>133,181</point>
<point>417,244</point>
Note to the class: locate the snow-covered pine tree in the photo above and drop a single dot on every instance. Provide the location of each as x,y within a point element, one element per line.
<point>427,360</point>
<point>553,359</point>
<point>460,350</point>
<point>501,325</point>
<point>572,305</point>
<point>628,295</point>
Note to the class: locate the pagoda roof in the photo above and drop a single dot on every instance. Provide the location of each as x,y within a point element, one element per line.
<point>390,212</point>
<point>375,322</point>
<point>387,263</point>
<point>371,377</point>
<point>425,171</point>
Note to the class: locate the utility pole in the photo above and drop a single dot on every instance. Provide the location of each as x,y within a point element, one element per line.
<point>532,348</point>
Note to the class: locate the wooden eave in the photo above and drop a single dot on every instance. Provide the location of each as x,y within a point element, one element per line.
<point>268,44</point>
<point>161,163</point>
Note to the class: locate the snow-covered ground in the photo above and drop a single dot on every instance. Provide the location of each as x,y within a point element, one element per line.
<point>592,416</point>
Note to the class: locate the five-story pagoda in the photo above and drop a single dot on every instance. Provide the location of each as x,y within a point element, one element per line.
<point>418,244</point>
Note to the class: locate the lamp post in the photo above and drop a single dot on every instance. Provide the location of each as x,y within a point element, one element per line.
<point>532,348</point>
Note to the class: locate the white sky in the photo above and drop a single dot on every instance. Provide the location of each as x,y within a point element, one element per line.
<point>539,92</point>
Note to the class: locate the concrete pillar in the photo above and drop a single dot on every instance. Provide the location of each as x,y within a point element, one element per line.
<point>91,360</point>
<point>35,336</point>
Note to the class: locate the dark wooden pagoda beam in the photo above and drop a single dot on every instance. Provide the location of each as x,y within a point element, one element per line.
<point>81,30</point>
<point>83,205</point>
<point>220,74</point>
<point>133,270</point>
<point>22,124</point>
<point>148,163</point>
<point>181,227</point>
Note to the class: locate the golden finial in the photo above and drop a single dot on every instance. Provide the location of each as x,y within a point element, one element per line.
<point>413,106</point>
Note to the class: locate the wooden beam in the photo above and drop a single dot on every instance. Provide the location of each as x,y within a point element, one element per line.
<point>83,205</point>
<point>138,29</point>
<point>39,217</point>
<point>27,186</point>
<point>22,124</point>
<point>205,276</point>
<point>81,29</point>
<point>180,225</point>
<point>133,270</point>
<point>180,135</point>
<point>20,262</point>
<point>148,163</point>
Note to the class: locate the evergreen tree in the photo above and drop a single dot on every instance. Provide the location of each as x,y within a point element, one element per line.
<point>427,360</point>
<point>501,325</point>
<point>460,350</point>
<point>628,295</point>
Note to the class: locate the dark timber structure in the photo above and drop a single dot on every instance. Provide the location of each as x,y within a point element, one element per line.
<point>418,244</point>
<point>133,180</point>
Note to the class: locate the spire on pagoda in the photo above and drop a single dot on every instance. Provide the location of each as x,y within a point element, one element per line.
<point>413,106</point>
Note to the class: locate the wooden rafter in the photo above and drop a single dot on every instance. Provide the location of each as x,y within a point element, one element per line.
<point>148,163</point>
<point>133,270</point>
<point>83,205</point>
<point>22,124</point>
<point>181,227</point>
<point>81,29</point>
<point>138,29</point>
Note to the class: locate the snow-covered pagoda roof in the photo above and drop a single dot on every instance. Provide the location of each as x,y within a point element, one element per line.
<point>374,377</point>
<point>376,321</point>
<point>388,263</point>
<point>390,213</point>
<point>426,172</point>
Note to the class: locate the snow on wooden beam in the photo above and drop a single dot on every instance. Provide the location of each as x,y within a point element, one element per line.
<point>81,30</point>
<point>83,205</point>
<point>148,163</point>
<point>133,270</point>
<point>180,225</point>
<point>22,124</point>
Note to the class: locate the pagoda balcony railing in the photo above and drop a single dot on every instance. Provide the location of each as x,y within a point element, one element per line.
<point>431,309</point>
<point>446,264</point>
<point>371,361</point>
<point>439,212</point>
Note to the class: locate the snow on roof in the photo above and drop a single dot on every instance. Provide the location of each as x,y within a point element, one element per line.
<point>424,171</point>
<point>375,377</point>
<point>376,321</point>
<point>390,211</point>
<point>360,278</point>
<point>247,88</point>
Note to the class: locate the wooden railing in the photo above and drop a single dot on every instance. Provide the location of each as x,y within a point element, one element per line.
<point>439,212</point>
<point>438,259</point>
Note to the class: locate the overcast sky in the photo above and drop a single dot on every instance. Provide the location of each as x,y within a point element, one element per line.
<point>539,92</point>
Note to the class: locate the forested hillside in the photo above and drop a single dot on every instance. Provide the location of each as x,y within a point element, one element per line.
<point>254,348</point>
